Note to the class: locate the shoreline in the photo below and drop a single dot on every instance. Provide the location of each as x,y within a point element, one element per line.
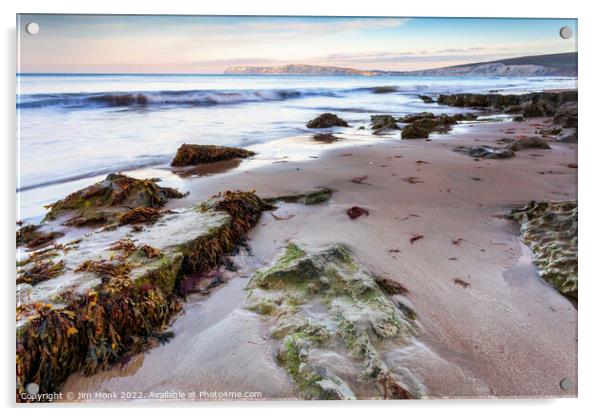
<point>447,204</point>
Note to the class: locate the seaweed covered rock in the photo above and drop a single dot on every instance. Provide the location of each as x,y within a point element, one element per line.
<point>550,230</point>
<point>196,154</point>
<point>528,143</point>
<point>485,152</point>
<point>326,120</point>
<point>426,99</point>
<point>104,295</point>
<point>383,123</point>
<point>335,324</point>
<point>501,101</point>
<point>561,105</point>
<point>106,201</point>
<point>419,126</point>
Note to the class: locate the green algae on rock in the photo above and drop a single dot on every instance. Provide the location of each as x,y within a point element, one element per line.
<point>550,230</point>
<point>196,154</point>
<point>106,201</point>
<point>109,298</point>
<point>335,322</point>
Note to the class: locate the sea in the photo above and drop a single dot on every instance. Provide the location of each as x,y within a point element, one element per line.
<point>73,129</point>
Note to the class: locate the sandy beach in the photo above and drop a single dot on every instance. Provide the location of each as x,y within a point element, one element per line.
<point>487,324</point>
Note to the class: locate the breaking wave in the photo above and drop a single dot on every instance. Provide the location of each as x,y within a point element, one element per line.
<point>191,98</point>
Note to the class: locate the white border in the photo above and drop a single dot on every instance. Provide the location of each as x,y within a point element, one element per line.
<point>590,153</point>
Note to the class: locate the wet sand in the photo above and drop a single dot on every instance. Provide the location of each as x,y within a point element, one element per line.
<point>504,332</point>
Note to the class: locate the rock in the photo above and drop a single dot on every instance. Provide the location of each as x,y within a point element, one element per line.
<point>566,115</point>
<point>109,291</point>
<point>383,123</point>
<point>518,119</point>
<point>196,154</point>
<point>528,143</point>
<point>567,135</point>
<point>310,198</point>
<point>562,105</point>
<point>414,131</point>
<point>503,101</point>
<point>550,230</point>
<point>422,124</point>
<point>485,152</point>
<point>410,118</point>
<point>327,352</point>
<point>106,201</point>
<point>534,110</point>
<point>326,120</point>
<point>426,99</point>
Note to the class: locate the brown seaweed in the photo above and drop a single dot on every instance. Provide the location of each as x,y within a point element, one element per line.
<point>356,212</point>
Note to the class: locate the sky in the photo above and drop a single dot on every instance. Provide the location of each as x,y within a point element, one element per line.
<point>210,44</point>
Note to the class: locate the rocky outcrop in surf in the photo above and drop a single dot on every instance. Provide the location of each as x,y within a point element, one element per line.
<point>561,106</point>
<point>535,104</point>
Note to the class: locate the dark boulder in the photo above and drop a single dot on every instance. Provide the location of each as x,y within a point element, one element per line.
<point>326,120</point>
<point>414,131</point>
<point>422,124</point>
<point>383,123</point>
<point>196,154</point>
<point>426,99</point>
